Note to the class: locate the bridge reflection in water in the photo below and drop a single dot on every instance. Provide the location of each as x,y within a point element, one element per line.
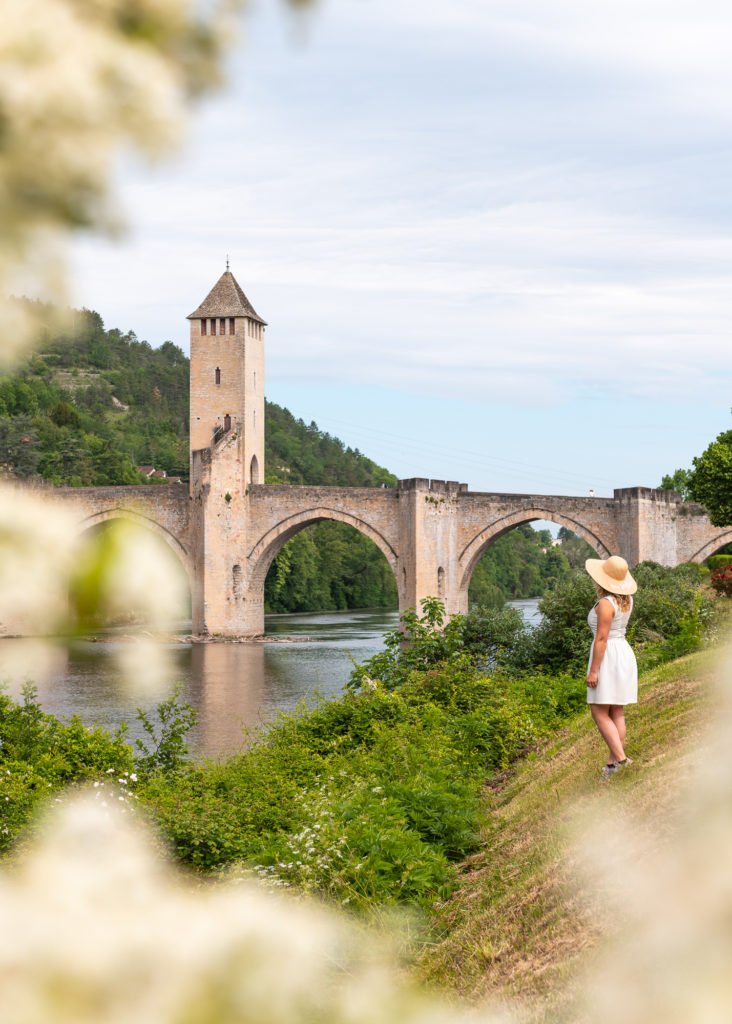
<point>233,685</point>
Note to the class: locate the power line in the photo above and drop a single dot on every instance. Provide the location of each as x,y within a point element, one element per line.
<point>401,442</point>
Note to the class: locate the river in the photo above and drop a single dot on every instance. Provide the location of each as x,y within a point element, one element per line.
<point>233,686</point>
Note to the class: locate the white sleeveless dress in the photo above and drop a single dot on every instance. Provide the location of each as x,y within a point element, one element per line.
<point>617,679</point>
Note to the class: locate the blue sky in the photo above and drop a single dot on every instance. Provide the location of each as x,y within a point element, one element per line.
<point>493,240</point>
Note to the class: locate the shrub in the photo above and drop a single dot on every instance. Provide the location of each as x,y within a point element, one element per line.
<point>672,615</point>
<point>166,750</point>
<point>39,756</point>
<point>721,579</point>
<point>491,632</point>
<point>421,641</point>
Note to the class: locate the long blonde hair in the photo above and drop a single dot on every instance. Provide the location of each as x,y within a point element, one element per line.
<point>622,600</point>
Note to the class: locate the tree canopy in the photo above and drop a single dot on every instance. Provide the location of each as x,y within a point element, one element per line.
<point>711,479</point>
<point>680,481</point>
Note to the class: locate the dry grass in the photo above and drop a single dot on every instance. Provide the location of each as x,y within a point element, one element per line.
<point>525,919</point>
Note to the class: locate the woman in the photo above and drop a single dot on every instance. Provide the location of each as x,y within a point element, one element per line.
<point>612,673</point>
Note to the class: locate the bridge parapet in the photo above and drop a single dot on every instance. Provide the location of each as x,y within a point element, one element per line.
<point>431,532</point>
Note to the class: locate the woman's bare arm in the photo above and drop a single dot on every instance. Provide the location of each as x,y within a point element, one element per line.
<point>605,612</point>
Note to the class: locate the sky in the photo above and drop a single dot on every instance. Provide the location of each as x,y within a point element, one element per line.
<point>492,238</point>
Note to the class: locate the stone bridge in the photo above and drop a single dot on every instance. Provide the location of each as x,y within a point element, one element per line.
<point>432,533</point>
<point>227,528</point>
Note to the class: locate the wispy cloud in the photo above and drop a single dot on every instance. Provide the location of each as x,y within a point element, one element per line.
<point>511,200</point>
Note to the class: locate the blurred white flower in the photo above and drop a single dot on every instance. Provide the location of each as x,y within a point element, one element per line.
<point>126,573</point>
<point>147,668</point>
<point>36,545</point>
<point>81,82</point>
<point>30,660</point>
<point>97,928</point>
<point>671,899</point>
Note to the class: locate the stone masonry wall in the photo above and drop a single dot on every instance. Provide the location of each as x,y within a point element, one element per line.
<point>163,508</point>
<point>432,533</point>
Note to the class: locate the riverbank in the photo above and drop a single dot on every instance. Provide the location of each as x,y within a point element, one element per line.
<point>433,787</point>
<point>197,638</point>
<point>528,921</point>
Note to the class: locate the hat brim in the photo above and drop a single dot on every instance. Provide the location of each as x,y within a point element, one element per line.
<point>596,569</point>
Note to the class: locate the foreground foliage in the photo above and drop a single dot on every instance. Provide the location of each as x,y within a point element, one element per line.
<point>370,799</point>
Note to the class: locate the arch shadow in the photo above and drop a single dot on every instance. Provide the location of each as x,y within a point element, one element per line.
<point>474,549</point>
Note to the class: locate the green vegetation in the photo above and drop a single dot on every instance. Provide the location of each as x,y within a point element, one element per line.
<point>371,799</point>
<point>710,481</point>
<point>673,614</point>
<point>680,481</point>
<point>526,921</point>
<point>91,405</point>
<point>331,565</point>
<point>525,563</point>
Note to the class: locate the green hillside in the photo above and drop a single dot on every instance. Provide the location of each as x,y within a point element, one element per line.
<point>531,920</point>
<point>91,405</point>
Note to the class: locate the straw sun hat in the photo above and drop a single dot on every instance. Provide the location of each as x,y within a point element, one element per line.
<point>612,574</point>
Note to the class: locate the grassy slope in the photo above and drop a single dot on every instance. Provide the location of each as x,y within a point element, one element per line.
<point>524,924</point>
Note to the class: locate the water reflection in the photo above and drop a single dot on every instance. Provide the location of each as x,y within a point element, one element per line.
<point>234,686</point>
<point>226,682</point>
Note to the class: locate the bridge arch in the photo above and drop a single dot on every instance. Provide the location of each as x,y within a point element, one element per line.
<point>474,549</point>
<point>267,547</point>
<point>147,523</point>
<point>711,546</point>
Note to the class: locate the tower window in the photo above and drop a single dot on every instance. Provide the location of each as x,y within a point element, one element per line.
<point>232,325</point>
<point>218,375</point>
<point>203,327</point>
<point>213,325</point>
<point>222,325</point>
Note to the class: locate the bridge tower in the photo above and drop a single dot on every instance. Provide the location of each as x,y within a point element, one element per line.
<point>227,375</point>
<point>227,452</point>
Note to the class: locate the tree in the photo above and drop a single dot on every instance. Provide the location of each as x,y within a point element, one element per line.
<point>18,445</point>
<point>574,548</point>
<point>64,415</point>
<point>711,480</point>
<point>679,480</point>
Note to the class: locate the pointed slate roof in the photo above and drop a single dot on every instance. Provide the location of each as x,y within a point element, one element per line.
<point>226,299</point>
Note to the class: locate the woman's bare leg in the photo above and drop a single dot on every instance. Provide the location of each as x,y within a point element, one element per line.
<point>617,713</point>
<point>608,730</point>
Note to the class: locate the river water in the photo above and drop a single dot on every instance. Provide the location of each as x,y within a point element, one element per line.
<point>233,686</point>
